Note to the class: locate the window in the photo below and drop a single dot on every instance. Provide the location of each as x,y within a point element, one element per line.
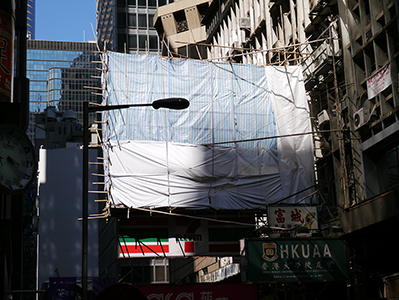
<point>151,20</point>
<point>121,42</point>
<point>142,3</point>
<point>160,274</point>
<point>121,20</point>
<point>142,41</point>
<point>132,42</point>
<point>146,271</point>
<point>132,20</point>
<point>153,41</point>
<point>393,167</point>
<point>142,20</point>
<point>181,21</point>
<point>381,169</point>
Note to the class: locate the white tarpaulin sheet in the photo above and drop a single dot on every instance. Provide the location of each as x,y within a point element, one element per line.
<point>165,158</point>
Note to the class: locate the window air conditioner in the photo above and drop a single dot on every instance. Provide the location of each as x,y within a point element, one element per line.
<point>322,117</point>
<point>361,117</point>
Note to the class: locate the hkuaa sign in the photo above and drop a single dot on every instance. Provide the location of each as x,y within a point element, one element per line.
<point>296,260</point>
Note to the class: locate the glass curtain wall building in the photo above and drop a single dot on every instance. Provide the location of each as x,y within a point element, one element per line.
<point>58,73</point>
<point>31,15</point>
<point>127,25</point>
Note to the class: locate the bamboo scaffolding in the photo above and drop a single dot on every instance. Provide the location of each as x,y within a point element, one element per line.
<point>341,143</point>
<point>252,51</point>
<point>94,88</point>
<point>107,206</point>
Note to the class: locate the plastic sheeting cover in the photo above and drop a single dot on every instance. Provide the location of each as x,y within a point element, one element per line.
<point>165,158</point>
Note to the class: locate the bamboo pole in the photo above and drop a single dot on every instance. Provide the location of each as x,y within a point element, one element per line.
<point>341,143</point>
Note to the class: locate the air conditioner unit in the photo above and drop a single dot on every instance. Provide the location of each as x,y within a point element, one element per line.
<point>322,117</point>
<point>245,23</point>
<point>361,117</point>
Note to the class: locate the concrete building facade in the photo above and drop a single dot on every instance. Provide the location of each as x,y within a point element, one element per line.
<point>180,27</point>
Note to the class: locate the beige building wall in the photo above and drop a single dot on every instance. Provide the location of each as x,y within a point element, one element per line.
<point>179,23</point>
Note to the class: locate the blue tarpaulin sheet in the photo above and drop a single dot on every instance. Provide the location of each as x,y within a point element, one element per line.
<point>167,158</point>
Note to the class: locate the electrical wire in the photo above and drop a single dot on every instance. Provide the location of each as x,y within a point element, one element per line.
<point>191,217</point>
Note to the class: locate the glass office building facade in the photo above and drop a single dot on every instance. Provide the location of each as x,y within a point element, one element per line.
<point>31,15</point>
<point>58,73</point>
<point>127,25</point>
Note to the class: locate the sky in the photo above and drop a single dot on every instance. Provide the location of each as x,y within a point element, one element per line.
<point>65,20</point>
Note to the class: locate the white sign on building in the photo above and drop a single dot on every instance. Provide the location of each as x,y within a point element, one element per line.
<point>379,81</point>
<point>289,217</point>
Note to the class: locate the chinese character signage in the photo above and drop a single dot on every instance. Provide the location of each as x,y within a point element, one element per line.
<point>292,216</point>
<point>379,81</point>
<point>6,55</point>
<point>62,288</point>
<point>296,260</point>
<point>201,292</point>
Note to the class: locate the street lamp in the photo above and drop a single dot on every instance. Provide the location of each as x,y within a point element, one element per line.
<point>170,103</point>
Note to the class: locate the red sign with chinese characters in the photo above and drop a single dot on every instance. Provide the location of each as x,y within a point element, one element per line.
<point>201,292</point>
<point>379,81</point>
<point>292,216</point>
<point>6,56</point>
